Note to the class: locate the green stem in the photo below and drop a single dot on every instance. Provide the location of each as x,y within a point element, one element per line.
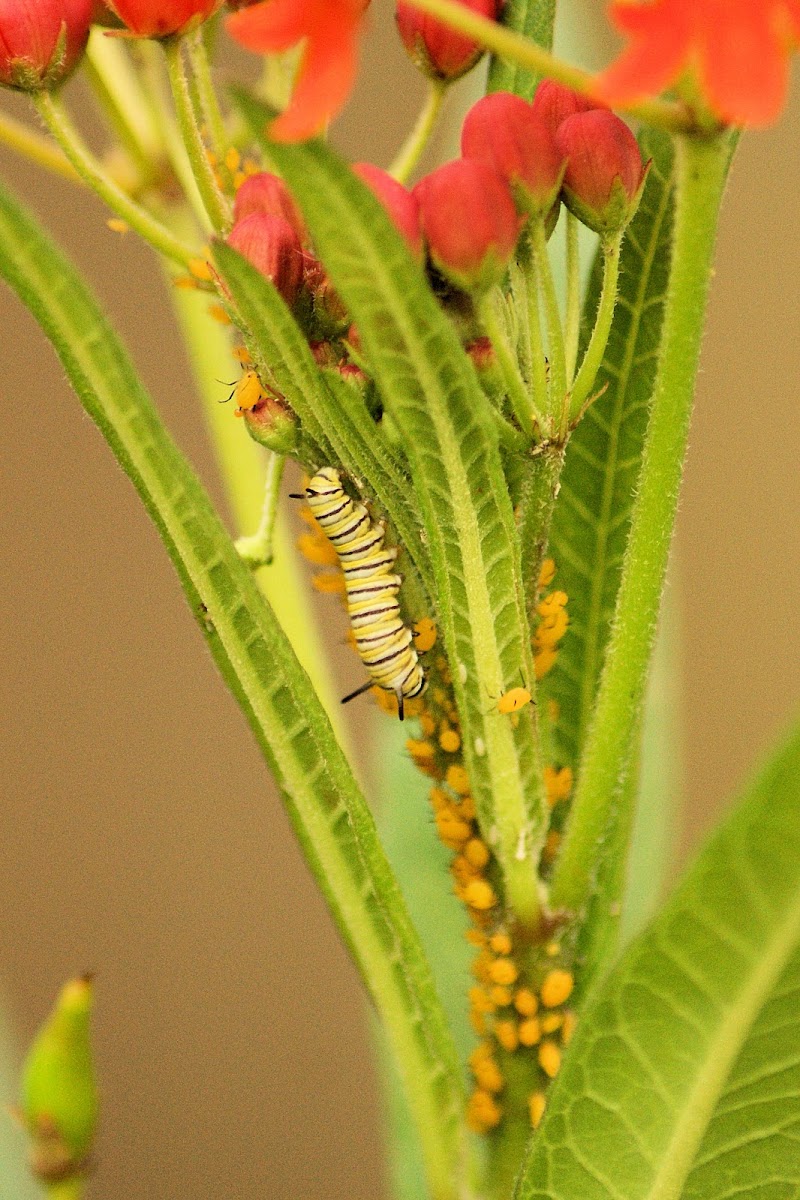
<point>189,121</point>
<point>411,150</point>
<point>120,96</point>
<point>515,48</point>
<point>201,70</point>
<point>257,549</point>
<point>555,333</point>
<point>66,1189</point>
<point>93,174</point>
<point>702,170</point>
<point>534,326</point>
<point>572,324</point>
<point>35,148</point>
<point>539,492</point>
<point>593,358</point>
<point>521,401</point>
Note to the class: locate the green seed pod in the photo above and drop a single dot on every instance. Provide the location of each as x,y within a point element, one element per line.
<point>59,1096</point>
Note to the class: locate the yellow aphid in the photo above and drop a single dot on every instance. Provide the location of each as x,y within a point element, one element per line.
<point>117,226</point>
<point>514,700</point>
<point>557,784</point>
<point>438,799</point>
<point>547,573</point>
<point>478,1022</point>
<point>449,741</point>
<point>487,1075</point>
<point>419,749</point>
<point>483,1112</point>
<point>424,635</point>
<point>502,996</point>
<point>551,629</point>
<point>530,1031</point>
<point>568,1028</point>
<point>458,779</point>
<point>553,949</point>
<point>480,895</point>
<point>482,1050</point>
<point>476,853</point>
<point>186,283</point>
<point>461,870</point>
<point>504,972</point>
<point>233,159</point>
<point>452,831</point>
<point>549,1058</point>
<point>500,943</point>
<point>218,314</point>
<point>329,585</point>
<point>507,1035</point>
<point>552,1022</point>
<point>552,604</point>
<point>551,845</point>
<point>525,1002</point>
<point>475,937</point>
<point>238,179</point>
<point>557,988</point>
<point>466,808</point>
<point>317,550</point>
<point>543,662</point>
<point>427,724</point>
<point>536,1106</point>
<point>249,391</point>
<point>242,355</point>
<point>480,967</point>
<point>201,269</point>
<point>480,1000</point>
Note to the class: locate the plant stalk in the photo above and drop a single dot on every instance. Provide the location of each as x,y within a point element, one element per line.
<point>412,149</point>
<point>593,358</point>
<point>702,170</point>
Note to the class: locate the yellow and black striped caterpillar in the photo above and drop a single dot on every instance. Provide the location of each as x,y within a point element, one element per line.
<point>384,643</point>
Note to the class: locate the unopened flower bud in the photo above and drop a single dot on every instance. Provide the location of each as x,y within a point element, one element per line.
<point>41,41</point>
<point>401,205</point>
<point>59,1096</point>
<point>553,103</point>
<point>266,193</point>
<point>439,51</point>
<point>162,18</point>
<point>605,174</point>
<point>273,247</point>
<point>271,423</point>
<point>503,131</point>
<point>469,222</point>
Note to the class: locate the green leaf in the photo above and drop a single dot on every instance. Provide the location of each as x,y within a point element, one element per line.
<point>534,18</point>
<point>329,813</point>
<point>429,386</point>
<point>592,514</point>
<point>335,417</point>
<point>681,1015</point>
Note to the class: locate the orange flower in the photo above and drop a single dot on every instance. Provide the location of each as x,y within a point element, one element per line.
<point>327,72</point>
<point>738,50</point>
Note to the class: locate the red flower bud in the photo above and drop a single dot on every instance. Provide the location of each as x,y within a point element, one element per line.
<point>41,41</point>
<point>273,247</point>
<point>161,18</point>
<point>504,131</point>
<point>553,103</point>
<point>437,50</point>
<point>400,204</point>
<point>266,193</point>
<point>271,423</point>
<point>469,222</point>
<point>605,174</point>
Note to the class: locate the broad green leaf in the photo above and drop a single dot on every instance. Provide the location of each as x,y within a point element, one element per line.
<point>534,18</point>
<point>430,388</point>
<point>752,1146</point>
<point>658,1042</point>
<point>327,809</point>
<point>335,416</point>
<point>592,514</point>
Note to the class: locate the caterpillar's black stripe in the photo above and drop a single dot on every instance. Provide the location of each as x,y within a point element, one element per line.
<point>384,643</point>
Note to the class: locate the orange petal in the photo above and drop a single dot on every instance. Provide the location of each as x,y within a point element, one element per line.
<point>326,78</point>
<point>271,26</point>
<point>744,68</point>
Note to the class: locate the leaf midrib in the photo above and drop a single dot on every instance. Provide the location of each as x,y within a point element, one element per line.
<point>678,1155</point>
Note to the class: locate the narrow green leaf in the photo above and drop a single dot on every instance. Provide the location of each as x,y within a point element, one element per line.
<point>328,811</point>
<point>534,18</point>
<point>430,388</point>
<point>592,515</point>
<point>657,1043</point>
<point>334,416</point>
<point>752,1146</point>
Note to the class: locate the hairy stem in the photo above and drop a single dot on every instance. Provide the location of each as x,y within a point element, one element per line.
<point>35,148</point>
<point>120,96</point>
<point>572,323</point>
<point>593,358</point>
<point>258,549</point>
<point>521,401</point>
<point>201,70</point>
<point>93,174</point>
<point>555,333</point>
<point>702,170</point>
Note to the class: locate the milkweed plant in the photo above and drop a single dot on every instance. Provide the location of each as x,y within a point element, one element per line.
<point>485,458</point>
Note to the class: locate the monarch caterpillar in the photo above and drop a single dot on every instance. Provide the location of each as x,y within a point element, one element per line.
<point>385,645</point>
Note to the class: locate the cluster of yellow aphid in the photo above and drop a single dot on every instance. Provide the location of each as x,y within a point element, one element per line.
<point>516,1006</point>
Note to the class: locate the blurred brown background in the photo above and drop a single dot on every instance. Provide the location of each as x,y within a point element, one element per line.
<point>140,833</point>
